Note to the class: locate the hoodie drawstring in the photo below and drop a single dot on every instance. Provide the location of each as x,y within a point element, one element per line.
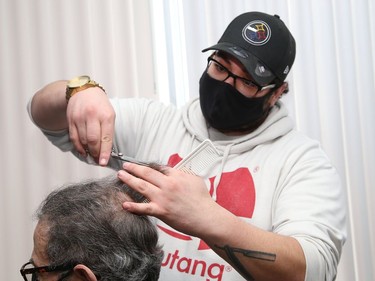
<point>221,169</point>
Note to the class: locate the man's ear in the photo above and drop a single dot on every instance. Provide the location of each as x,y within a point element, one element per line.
<point>82,272</point>
<point>284,88</point>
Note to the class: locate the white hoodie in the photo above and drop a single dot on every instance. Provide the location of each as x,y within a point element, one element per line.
<point>274,178</point>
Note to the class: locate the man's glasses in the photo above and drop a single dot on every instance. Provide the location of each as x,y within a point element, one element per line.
<point>245,86</point>
<point>30,273</point>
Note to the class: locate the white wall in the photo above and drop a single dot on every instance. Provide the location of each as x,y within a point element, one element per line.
<point>116,42</point>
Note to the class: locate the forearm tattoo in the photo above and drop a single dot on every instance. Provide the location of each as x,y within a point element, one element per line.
<point>230,251</point>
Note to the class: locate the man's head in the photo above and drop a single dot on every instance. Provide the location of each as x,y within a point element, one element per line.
<point>83,229</point>
<point>245,75</point>
<point>262,43</point>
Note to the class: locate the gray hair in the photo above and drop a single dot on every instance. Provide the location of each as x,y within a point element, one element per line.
<point>87,225</point>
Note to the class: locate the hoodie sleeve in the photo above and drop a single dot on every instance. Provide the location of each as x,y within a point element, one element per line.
<point>310,206</point>
<point>58,138</point>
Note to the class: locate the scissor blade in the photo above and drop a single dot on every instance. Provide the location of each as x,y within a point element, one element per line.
<point>128,159</point>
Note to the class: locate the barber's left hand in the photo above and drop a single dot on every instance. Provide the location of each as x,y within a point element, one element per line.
<point>179,199</point>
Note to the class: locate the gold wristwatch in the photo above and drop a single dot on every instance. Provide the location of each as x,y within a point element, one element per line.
<point>79,83</point>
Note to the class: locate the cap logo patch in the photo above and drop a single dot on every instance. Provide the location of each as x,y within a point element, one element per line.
<point>257,33</point>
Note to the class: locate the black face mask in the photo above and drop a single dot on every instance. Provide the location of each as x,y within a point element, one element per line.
<point>227,109</point>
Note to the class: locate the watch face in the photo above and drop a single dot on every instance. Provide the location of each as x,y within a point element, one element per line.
<point>78,81</point>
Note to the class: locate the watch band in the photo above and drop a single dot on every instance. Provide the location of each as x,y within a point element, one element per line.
<point>78,84</point>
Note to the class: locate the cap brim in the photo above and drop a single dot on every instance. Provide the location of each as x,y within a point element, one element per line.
<point>256,68</point>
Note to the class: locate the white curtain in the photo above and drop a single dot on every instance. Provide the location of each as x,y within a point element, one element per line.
<point>152,48</point>
<point>42,41</point>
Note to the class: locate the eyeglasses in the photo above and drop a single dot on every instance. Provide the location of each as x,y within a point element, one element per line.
<point>245,86</point>
<point>30,273</point>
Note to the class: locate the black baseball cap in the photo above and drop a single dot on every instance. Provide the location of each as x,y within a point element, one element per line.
<point>262,43</point>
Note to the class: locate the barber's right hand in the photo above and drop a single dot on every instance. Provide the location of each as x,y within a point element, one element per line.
<point>91,120</point>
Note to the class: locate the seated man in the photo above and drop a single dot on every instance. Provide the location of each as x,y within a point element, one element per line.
<point>83,233</point>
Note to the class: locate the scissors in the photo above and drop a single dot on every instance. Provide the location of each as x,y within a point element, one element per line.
<point>122,157</point>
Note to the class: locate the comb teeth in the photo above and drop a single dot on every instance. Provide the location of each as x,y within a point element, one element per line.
<point>200,159</point>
